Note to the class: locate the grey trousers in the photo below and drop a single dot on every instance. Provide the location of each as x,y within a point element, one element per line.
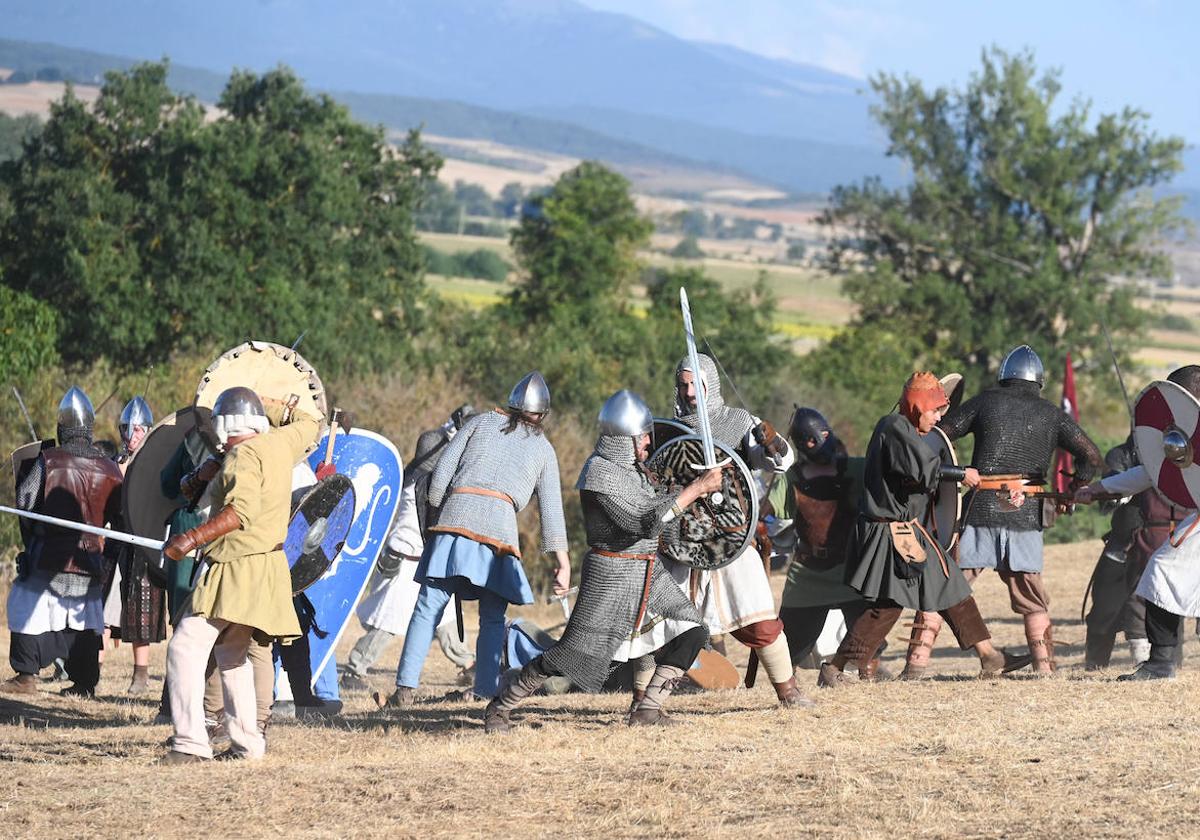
<point>374,642</point>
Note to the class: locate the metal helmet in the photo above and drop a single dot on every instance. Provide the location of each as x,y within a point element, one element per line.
<point>136,413</point>
<point>809,426</point>
<point>530,395</point>
<point>462,414</point>
<point>238,411</point>
<point>75,410</point>
<point>625,414</point>
<point>1022,363</point>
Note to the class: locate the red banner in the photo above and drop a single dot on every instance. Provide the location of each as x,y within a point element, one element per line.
<point>1063,464</point>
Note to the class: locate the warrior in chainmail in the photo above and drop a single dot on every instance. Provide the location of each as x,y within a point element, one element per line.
<point>485,476</point>
<point>56,606</point>
<point>624,512</point>
<point>1016,432</point>
<point>1164,544</point>
<point>391,592</point>
<point>737,599</point>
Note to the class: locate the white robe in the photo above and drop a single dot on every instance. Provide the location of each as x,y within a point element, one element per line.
<point>1172,576</point>
<point>388,603</point>
<point>34,609</point>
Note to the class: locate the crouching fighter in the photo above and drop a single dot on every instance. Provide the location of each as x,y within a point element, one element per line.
<point>244,590</point>
<point>893,560</point>
<point>623,513</point>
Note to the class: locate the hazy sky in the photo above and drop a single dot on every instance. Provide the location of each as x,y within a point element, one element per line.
<point>1139,52</point>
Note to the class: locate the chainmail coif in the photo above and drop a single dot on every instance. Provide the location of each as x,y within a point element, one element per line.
<point>1016,431</point>
<point>729,425</point>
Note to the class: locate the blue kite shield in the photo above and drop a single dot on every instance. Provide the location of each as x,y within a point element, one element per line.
<point>373,465</point>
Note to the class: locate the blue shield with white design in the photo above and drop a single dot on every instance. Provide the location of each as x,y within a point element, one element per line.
<point>373,466</point>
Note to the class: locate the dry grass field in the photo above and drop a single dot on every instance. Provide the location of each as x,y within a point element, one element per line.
<point>1077,755</point>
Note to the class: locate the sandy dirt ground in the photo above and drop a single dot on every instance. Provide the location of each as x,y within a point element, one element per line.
<point>952,756</point>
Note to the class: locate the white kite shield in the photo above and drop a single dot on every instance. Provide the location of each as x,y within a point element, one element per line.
<point>1165,420</point>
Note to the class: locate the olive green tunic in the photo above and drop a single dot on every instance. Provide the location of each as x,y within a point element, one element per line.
<point>247,579</point>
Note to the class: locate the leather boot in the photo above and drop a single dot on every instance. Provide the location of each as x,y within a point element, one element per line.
<point>20,684</point>
<point>495,716</point>
<point>1160,665</point>
<point>401,698</point>
<point>1002,662</point>
<point>649,711</point>
<point>831,676</point>
<point>790,696</point>
<point>638,695</point>
<point>140,683</point>
<point>925,629</point>
<point>1098,652</point>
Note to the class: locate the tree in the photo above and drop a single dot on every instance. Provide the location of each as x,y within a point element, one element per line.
<point>1020,214</point>
<point>151,230</point>
<point>687,249</point>
<point>577,244</point>
<point>28,336</point>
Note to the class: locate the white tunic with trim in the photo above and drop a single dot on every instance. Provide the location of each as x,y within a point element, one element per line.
<point>34,609</point>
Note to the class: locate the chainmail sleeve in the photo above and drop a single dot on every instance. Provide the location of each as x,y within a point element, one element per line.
<point>639,516</point>
<point>549,491</point>
<point>959,421</point>
<point>1075,440</point>
<point>29,493</point>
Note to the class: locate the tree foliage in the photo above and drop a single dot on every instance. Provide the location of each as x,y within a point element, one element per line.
<point>151,229</point>
<point>573,314</point>
<point>1021,213</point>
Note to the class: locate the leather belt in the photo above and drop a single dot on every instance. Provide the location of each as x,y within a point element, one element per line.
<point>622,555</point>
<point>483,491</point>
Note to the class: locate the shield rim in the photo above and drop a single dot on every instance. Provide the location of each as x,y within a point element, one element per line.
<point>134,521</point>
<point>285,354</point>
<point>751,485</point>
<point>296,590</point>
<point>1158,385</point>
<point>18,463</point>
<point>958,495</point>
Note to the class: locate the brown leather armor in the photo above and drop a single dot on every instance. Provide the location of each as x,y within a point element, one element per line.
<point>823,520</point>
<point>1158,521</point>
<point>84,490</point>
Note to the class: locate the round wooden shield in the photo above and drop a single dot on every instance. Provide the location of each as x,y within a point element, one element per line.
<point>270,370</point>
<point>1165,420</point>
<point>946,505</point>
<point>708,536</point>
<point>666,430</point>
<point>318,529</point>
<point>143,504</point>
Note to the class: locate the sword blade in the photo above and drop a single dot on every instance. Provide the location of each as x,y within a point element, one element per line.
<point>706,439</point>
<point>119,536</point>
<point>25,412</point>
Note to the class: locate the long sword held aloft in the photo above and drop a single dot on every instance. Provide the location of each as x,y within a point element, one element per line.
<point>706,438</point>
<point>1117,368</point>
<point>119,536</point>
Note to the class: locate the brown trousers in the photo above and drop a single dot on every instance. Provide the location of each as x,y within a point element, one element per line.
<point>873,626</point>
<point>1026,591</point>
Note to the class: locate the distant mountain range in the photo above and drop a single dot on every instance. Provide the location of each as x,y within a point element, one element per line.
<point>559,62</point>
<point>792,125</point>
